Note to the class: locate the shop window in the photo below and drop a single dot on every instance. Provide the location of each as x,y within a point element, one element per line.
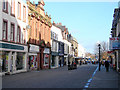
<point>20,61</point>
<point>32,62</point>
<point>3,61</point>
<point>53,60</point>
<point>5,30</point>
<point>46,59</point>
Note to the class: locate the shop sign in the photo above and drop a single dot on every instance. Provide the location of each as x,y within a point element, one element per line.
<point>114,43</point>
<point>34,48</point>
<point>10,46</point>
<point>47,50</point>
<point>61,54</point>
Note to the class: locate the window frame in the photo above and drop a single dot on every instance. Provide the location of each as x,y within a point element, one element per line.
<point>24,35</point>
<point>6,31</point>
<point>6,4</point>
<point>19,10</point>
<point>24,13</point>
<point>13,7</point>
<point>19,34</point>
<point>13,32</point>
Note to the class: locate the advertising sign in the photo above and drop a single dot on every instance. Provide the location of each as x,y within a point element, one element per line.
<point>47,50</point>
<point>114,43</point>
<point>34,48</point>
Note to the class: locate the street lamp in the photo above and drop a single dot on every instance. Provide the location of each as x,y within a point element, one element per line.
<point>99,56</point>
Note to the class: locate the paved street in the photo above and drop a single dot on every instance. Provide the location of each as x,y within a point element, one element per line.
<point>62,78</point>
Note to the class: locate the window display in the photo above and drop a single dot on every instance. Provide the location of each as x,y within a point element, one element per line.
<point>20,61</point>
<point>32,62</point>
<point>3,61</point>
<point>46,59</point>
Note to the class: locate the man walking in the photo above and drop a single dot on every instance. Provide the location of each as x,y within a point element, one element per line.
<point>107,65</point>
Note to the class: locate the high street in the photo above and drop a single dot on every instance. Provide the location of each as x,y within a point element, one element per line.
<point>63,78</point>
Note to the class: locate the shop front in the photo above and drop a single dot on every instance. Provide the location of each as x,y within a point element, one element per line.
<point>61,60</point>
<point>34,59</point>
<point>46,60</point>
<point>13,58</point>
<point>65,59</point>
<point>54,59</point>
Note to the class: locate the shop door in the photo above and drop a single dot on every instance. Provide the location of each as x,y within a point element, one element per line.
<point>11,64</point>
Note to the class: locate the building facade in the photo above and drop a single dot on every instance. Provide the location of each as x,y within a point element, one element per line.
<point>13,40</point>
<point>81,51</point>
<point>54,46</point>
<point>115,39</point>
<point>75,47</point>
<point>65,33</point>
<point>39,35</point>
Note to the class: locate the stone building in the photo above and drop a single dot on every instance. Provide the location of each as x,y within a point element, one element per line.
<point>115,40</point>
<point>39,35</point>
<point>13,40</point>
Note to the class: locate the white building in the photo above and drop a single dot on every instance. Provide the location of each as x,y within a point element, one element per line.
<point>81,51</point>
<point>56,37</point>
<point>13,36</point>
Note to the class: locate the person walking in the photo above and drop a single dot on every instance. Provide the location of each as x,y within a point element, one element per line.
<point>107,65</point>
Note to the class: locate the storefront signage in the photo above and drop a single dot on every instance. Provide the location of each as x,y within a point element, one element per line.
<point>10,46</point>
<point>55,53</point>
<point>47,50</point>
<point>114,43</point>
<point>34,48</point>
<point>61,54</point>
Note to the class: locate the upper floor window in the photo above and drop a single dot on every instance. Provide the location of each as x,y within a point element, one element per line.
<point>19,10</point>
<point>12,32</point>
<point>13,7</point>
<point>51,34</point>
<point>18,34</point>
<point>36,29</point>
<point>24,13</point>
<point>4,36</point>
<point>24,35</point>
<point>5,6</point>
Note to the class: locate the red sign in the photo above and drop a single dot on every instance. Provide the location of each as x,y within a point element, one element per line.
<point>109,51</point>
<point>46,55</point>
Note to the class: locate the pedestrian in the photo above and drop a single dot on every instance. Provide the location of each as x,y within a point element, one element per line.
<point>80,62</point>
<point>107,65</point>
<point>103,63</point>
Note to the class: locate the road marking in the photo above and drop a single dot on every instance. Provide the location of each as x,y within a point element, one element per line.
<point>89,81</point>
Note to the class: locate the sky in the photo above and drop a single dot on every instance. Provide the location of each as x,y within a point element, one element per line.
<point>88,21</point>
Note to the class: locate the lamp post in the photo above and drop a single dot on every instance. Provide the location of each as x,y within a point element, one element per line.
<point>99,56</point>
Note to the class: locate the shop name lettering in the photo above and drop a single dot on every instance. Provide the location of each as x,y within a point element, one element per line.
<point>34,48</point>
<point>9,46</point>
